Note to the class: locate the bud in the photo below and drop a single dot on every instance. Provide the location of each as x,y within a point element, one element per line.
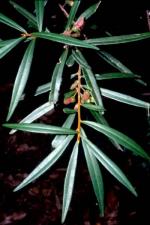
<point>76,107</point>
<point>67,101</point>
<point>85,96</point>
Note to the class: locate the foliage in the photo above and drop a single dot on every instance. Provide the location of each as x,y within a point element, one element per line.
<point>85,95</point>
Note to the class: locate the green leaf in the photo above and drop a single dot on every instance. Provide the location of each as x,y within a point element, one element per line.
<point>63,39</point>
<point>37,113</point>
<point>70,61</point>
<point>91,83</point>
<point>43,89</point>
<point>117,64</point>
<point>109,76</point>
<point>110,166</point>
<point>93,107</point>
<point>45,164</point>
<point>31,18</point>
<point>124,98</point>
<point>90,11</point>
<point>39,128</point>
<point>72,14</point>
<point>101,119</point>
<point>8,45</point>
<point>21,78</point>
<point>57,77</point>
<point>118,39</point>
<point>69,181</point>
<point>69,111</point>
<point>9,22</point>
<point>95,174</point>
<point>39,9</point>
<point>121,138</point>
<point>69,94</point>
<point>59,138</point>
<point>78,58</point>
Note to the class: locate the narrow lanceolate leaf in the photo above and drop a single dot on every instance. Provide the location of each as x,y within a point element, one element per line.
<point>101,119</point>
<point>90,11</point>
<point>39,9</point>
<point>117,64</point>
<point>121,138</point>
<point>72,14</point>
<point>8,46</point>
<point>45,164</point>
<point>57,77</point>
<point>96,175</point>
<point>31,18</point>
<point>70,61</point>
<point>110,166</point>
<point>124,98</point>
<point>9,22</point>
<point>93,107</point>
<point>118,39</point>
<point>76,55</point>
<point>39,128</point>
<point>7,42</point>
<point>59,138</point>
<point>21,78</point>
<point>69,111</point>
<point>109,76</point>
<point>43,89</point>
<point>64,39</point>
<point>37,113</point>
<point>69,181</point>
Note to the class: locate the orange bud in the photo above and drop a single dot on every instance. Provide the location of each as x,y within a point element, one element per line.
<point>76,107</point>
<point>85,96</point>
<point>79,23</point>
<point>69,100</point>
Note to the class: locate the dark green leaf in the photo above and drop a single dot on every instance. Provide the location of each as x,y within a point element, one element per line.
<point>31,18</point>
<point>37,113</point>
<point>8,46</point>
<point>118,39</point>
<point>70,61</point>
<point>21,78</point>
<point>39,9</point>
<point>124,98</point>
<point>77,57</point>
<point>90,11</point>
<point>121,138</point>
<point>59,138</point>
<point>110,166</point>
<point>45,164</point>
<point>109,76</point>
<point>63,39</point>
<point>69,181</point>
<point>39,128</point>
<point>72,14</point>
<point>95,174</point>
<point>69,94</point>
<point>69,111</point>
<point>93,107</point>
<point>9,22</point>
<point>57,77</point>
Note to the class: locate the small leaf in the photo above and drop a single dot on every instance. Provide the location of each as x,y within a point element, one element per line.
<point>121,138</point>
<point>63,39</point>
<point>77,57</point>
<point>118,39</point>
<point>124,98</point>
<point>93,107</point>
<point>9,22</point>
<point>37,113</point>
<point>72,14</point>
<point>70,61</point>
<point>109,76</point>
<point>57,77</point>
<point>90,11</point>
<point>45,164</point>
<point>110,166</point>
<point>95,174</point>
<point>31,18</point>
<point>39,128</point>
<point>43,89</point>
<point>21,78</point>
<point>39,9</point>
<point>59,138</point>
<point>69,111</point>
<point>69,181</point>
<point>8,45</point>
